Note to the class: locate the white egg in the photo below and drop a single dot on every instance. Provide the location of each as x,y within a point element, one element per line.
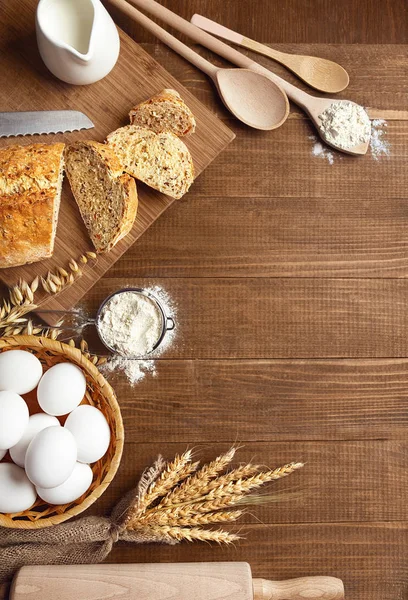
<point>13,419</point>
<point>51,457</point>
<point>76,485</point>
<point>3,453</point>
<point>61,389</point>
<point>91,432</point>
<point>17,493</point>
<point>36,423</point>
<point>20,371</point>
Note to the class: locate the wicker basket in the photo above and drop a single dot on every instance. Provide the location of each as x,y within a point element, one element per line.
<point>98,393</point>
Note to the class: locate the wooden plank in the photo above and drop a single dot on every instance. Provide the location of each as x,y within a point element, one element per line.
<point>281,318</point>
<point>260,164</point>
<point>267,400</point>
<point>321,21</point>
<point>107,103</point>
<point>274,237</point>
<point>366,479</point>
<point>370,558</point>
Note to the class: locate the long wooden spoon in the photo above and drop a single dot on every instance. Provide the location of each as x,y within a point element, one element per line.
<point>322,74</point>
<point>252,97</point>
<point>312,105</point>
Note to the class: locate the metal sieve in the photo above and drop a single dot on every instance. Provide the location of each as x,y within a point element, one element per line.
<point>74,321</point>
<point>167,323</point>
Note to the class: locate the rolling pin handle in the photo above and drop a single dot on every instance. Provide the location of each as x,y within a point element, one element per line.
<point>303,588</point>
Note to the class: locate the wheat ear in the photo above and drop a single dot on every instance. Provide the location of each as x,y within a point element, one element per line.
<point>172,474</point>
<point>57,281</point>
<point>244,486</point>
<point>193,520</point>
<point>192,485</point>
<point>194,534</point>
<point>229,494</point>
<point>199,490</point>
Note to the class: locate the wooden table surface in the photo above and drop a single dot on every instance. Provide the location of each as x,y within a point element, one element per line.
<point>290,279</point>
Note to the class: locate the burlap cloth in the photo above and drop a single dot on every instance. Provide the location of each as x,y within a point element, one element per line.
<point>82,541</point>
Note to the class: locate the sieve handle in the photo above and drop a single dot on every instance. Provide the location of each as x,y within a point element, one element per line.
<point>72,319</point>
<point>170,324</point>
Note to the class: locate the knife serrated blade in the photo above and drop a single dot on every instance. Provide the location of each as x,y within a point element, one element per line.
<point>42,121</point>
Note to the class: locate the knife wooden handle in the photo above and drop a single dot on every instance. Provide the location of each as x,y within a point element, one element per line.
<point>164,581</point>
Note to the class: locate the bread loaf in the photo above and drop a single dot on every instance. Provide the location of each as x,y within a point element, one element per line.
<point>106,197</point>
<point>165,111</point>
<point>30,193</point>
<point>161,160</point>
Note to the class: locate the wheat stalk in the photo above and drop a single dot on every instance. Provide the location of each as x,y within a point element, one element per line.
<point>21,296</point>
<point>83,346</point>
<point>173,473</point>
<point>201,510</point>
<point>243,486</point>
<point>176,500</point>
<point>192,507</point>
<point>14,311</point>
<point>194,534</point>
<point>222,495</point>
<point>202,487</point>
<point>57,281</point>
<point>194,484</point>
<point>192,520</point>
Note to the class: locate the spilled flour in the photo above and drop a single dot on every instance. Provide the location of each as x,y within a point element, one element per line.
<point>321,150</point>
<point>135,370</point>
<point>379,146</point>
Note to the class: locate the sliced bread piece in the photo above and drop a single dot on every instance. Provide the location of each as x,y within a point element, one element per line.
<point>30,194</point>
<point>106,197</point>
<point>165,111</point>
<point>161,160</point>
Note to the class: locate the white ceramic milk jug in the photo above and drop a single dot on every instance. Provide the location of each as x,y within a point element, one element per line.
<point>77,39</point>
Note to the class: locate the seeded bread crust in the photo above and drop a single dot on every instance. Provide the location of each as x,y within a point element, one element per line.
<point>166,111</point>
<point>106,196</point>
<point>30,192</point>
<point>161,160</point>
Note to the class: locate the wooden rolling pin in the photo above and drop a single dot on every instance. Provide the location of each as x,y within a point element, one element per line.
<point>180,581</point>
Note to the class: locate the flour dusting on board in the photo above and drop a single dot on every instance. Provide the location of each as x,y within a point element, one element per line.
<point>135,370</point>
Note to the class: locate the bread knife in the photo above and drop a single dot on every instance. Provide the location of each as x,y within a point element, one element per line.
<point>42,121</point>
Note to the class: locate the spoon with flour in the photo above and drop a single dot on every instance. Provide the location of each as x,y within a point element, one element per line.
<point>330,116</point>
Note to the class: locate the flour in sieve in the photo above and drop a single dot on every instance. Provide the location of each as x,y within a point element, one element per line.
<point>345,124</point>
<point>131,324</point>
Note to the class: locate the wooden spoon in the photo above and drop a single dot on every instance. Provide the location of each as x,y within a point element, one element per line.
<point>312,105</point>
<point>252,97</point>
<point>322,74</point>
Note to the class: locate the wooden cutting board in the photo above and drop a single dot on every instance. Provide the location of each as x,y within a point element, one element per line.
<point>26,84</point>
